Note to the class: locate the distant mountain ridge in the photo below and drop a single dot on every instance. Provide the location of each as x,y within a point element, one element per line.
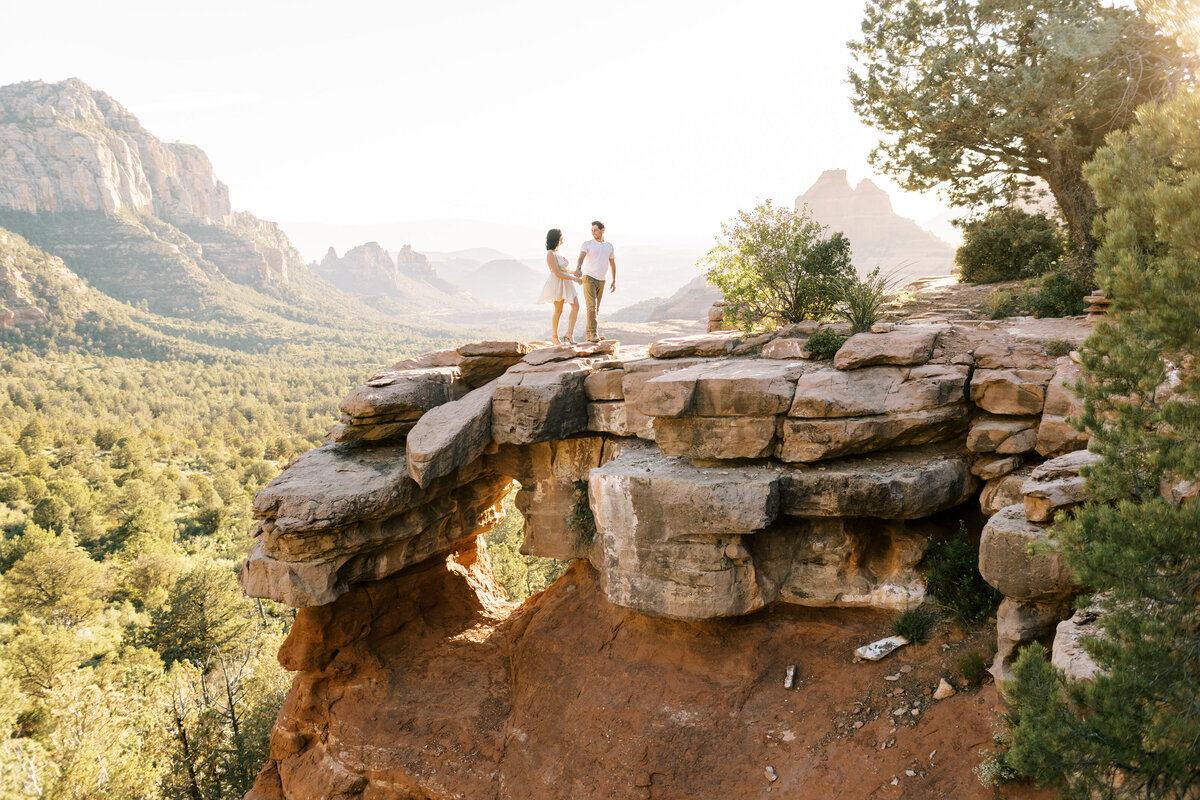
<point>879,237</point>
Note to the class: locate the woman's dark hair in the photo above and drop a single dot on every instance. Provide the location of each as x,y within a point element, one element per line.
<point>553,237</point>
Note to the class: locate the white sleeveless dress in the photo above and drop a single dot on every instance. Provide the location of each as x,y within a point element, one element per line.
<point>557,288</point>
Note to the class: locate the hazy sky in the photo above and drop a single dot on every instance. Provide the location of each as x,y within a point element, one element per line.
<point>663,118</point>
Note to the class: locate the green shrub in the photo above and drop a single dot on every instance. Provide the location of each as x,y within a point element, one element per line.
<point>1004,303</point>
<point>955,582</point>
<point>824,343</point>
<point>1060,294</point>
<point>778,265</point>
<point>915,624</point>
<point>1057,348</point>
<point>1008,244</point>
<point>862,299</point>
<point>973,667</point>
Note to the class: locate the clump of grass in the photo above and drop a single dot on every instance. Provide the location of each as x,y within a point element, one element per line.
<point>1003,303</point>
<point>955,582</point>
<point>582,521</point>
<point>1056,348</point>
<point>824,343</point>
<point>973,667</point>
<point>915,624</point>
<point>862,299</point>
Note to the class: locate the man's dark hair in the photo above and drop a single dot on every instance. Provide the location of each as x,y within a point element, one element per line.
<point>598,224</point>
<point>553,237</point>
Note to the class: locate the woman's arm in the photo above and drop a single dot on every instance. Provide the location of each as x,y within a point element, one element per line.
<point>555,269</point>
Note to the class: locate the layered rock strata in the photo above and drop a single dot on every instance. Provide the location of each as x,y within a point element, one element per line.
<point>702,478</point>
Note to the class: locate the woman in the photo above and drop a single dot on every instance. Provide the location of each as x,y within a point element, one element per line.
<point>560,286</point>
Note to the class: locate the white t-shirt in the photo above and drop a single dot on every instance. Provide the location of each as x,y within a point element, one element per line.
<point>595,258</point>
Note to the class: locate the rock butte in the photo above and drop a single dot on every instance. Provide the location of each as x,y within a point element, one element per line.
<point>698,480</point>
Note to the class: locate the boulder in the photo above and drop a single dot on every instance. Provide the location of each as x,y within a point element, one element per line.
<point>734,388</point>
<point>1010,391</point>
<point>669,534</point>
<point>905,484</point>
<point>1056,486</point>
<point>991,467</point>
<point>786,348</point>
<point>1019,624</point>
<point>814,439</point>
<point>451,436</point>
<point>450,357</point>
<point>1067,653</point>
<point>716,437</point>
<point>901,346</point>
<point>1055,435</point>
<point>703,344</point>
<point>1002,491</point>
<point>990,434</point>
<point>1017,559</point>
<point>604,384</point>
<point>403,395</point>
<point>1012,354</point>
<point>633,388</point>
<point>540,403</point>
<point>877,390</point>
<point>611,418</point>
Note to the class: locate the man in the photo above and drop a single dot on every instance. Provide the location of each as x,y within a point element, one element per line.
<point>595,259</point>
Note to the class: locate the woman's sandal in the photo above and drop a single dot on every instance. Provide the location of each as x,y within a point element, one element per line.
<point>568,340</point>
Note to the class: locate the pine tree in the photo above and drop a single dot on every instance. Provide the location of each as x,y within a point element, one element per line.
<point>1134,730</point>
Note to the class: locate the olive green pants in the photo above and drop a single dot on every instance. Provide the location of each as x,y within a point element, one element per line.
<point>593,293</point>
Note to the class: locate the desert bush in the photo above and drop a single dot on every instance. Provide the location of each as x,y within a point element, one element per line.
<point>1008,244</point>
<point>1057,348</point>
<point>973,667</point>
<point>777,265</point>
<point>582,520</point>
<point>825,343</point>
<point>955,582</point>
<point>914,624</point>
<point>862,299</point>
<point>1060,294</point>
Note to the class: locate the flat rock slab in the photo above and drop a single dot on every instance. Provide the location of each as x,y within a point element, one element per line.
<point>604,384</point>
<point>501,349</point>
<point>451,436</point>
<point>807,440</point>
<point>1015,392</point>
<point>704,344</point>
<point>717,437</point>
<point>1003,491</point>
<point>564,352</point>
<point>905,484</point>
<point>406,394</point>
<point>827,393</point>
<point>741,387</point>
<point>1006,563</point>
<point>899,347</point>
<point>666,497</point>
<point>786,348</point>
<point>540,403</point>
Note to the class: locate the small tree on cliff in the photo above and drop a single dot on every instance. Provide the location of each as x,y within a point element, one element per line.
<point>776,264</point>
<point>977,98</point>
<point>1134,730</point>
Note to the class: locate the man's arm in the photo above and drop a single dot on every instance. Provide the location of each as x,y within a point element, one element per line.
<point>612,264</point>
<point>579,264</point>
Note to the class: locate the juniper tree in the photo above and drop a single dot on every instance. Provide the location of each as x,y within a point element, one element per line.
<point>1134,730</point>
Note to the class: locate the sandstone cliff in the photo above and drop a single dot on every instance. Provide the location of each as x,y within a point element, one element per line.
<point>703,481</point>
<point>67,147</point>
<point>139,218</point>
<point>878,236</point>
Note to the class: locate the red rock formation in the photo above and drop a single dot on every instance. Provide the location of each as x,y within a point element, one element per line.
<point>427,685</point>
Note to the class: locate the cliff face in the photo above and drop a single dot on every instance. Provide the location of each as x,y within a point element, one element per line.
<point>878,236</point>
<point>67,147</point>
<point>724,499</point>
<point>139,218</point>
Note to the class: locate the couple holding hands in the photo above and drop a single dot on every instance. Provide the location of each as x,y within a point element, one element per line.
<point>595,259</point>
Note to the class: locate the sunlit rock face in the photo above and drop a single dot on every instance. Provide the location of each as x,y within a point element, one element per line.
<point>695,481</point>
<point>68,147</point>
<point>879,237</point>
